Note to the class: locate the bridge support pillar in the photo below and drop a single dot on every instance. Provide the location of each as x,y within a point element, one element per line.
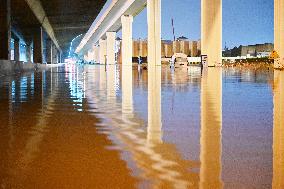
<point>28,52</point>
<point>126,49</point>
<point>54,54</point>
<point>279,32</point>
<point>90,55</point>
<point>48,51</point>
<point>5,29</point>
<point>103,51</point>
<point>17,49</point>
<point>96,53</point>
<point>211,31</point>
<point>38,45</point>
<point>85,57</point>
<point>111,47</point>
<point>154,31</point>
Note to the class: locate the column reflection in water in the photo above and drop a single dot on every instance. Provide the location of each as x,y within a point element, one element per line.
<point>154,104</point>
<point>278,131</point>
<point>127,99</point>
<point>111,75</point>
<point>32,147</point>
<point>102,81</point>
<point>211,126</point>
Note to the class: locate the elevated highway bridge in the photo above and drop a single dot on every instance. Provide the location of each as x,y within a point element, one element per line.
<point>48,27</point>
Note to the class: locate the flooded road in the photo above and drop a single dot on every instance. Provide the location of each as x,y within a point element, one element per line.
<point>126,127</point>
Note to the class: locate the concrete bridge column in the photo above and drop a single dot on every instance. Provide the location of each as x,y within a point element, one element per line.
<point>48,51</point>
<point>53,54</point>
<point>28,52</point>
<point>154,31</point>
<point>17,49</point>
<point>96,53</point>
<point>90,55</point>
<point>126,48</point>
<point>38,45</point>
<point>5,29</point>
<point>111,47</point>
<point>211,31</point>
<point>60,57</point>
<point>86,57</point>
<point>279,32</point>
<point>103,51</point>
<point>57,56</point>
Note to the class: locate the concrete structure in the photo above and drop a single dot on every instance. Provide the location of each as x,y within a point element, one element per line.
<point>35,21</point>
<point>154,31</point>
<point>38,45</point>
<point>118,14</point>
<point>126,48</point>
<point>110,47</point>
<point>31,22</point>
<point>17,49</point>
<point>29,53</point>
<point>279,32</point>
<point>103,51</point>
<point>211,31</point>
<point>5,29</point>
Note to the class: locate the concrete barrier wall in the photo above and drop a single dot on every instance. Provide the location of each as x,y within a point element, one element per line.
<point>10,67</point>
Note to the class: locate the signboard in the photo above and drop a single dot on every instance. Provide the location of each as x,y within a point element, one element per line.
<point>204,60</point>
<point>274,55</point>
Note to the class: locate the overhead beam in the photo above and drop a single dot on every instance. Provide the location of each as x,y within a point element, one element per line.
<point>109,20</point>
<point>37,9</point>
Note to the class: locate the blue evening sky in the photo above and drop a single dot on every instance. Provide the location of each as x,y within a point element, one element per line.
<point>244,21</point>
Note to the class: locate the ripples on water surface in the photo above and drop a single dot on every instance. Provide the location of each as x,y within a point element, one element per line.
<point>124,127</point>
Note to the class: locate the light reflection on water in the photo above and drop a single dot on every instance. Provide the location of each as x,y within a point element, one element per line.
<point>165,128</point>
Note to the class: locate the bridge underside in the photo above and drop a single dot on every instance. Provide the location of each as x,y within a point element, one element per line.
<point>61,20</point>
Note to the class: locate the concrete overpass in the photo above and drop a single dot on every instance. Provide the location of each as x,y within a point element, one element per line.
<point>118,14</point>
<point>44,28</point>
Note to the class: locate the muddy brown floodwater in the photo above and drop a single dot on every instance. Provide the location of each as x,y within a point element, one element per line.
<point>113,127</point>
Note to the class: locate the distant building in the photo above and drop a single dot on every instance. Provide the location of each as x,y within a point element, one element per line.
<point>193,46</point>
<point>168,47</point>
<point>253,50</point>
<point>258,50</point>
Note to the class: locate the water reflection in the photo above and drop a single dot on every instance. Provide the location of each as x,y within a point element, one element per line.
<point>40,128</point>
<point>111,74</point>
<point>127,87</point>
<point>77,83</point>
<point>154,132</point>
<point>60,120</point>
<point>211,126</point>
<point>278,131</point>
<point>156,164</point>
